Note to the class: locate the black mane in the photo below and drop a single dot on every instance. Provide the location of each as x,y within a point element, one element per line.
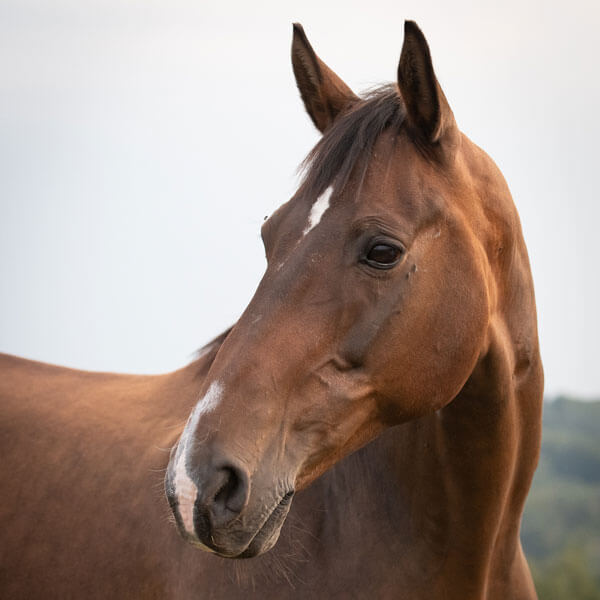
<point>350,138</point>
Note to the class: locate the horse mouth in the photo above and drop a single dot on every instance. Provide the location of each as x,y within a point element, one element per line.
<point>268,534</point>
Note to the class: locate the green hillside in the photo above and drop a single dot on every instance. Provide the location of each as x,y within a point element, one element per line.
<point>561,524</point>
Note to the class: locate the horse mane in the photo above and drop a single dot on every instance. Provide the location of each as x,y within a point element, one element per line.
<point>204,356</point>
<point>351,138</point>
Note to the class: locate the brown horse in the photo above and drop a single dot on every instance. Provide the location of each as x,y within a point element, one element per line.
<point>382,391</point>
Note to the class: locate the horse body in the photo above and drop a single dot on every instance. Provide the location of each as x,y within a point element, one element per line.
<point>386,377</point>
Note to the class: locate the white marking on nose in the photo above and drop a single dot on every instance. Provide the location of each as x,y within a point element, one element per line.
<point>318,210</point>
<point>186,490</point>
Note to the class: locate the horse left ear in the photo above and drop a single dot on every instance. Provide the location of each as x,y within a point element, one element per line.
<point>324,94</point>
<point>428,112</point>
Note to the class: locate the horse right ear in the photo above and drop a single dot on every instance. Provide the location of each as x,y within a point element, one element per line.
<point>428,112</point>
<point>324,94</point>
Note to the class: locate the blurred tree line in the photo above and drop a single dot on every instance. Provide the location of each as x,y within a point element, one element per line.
<point>561,525</point>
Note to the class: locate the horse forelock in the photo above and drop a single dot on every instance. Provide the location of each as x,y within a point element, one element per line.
<point>350,140</point>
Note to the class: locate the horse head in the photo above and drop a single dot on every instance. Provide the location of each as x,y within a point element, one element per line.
<point>374,309</point>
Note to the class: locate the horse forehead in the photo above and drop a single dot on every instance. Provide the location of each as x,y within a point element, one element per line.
<point>410,199</point>
<point>401,181</point>
<point>397,181</point>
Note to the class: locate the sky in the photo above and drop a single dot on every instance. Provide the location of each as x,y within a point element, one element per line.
<point>143,142</point>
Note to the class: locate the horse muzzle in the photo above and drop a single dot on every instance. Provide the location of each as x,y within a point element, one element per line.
<point>215,510</point>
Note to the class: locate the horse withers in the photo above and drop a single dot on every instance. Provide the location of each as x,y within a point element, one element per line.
<point>372,419</point>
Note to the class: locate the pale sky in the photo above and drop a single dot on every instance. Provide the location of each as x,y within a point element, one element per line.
<point>143,142</point>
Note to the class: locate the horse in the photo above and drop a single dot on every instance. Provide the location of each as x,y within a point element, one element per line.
<point>369,427</point>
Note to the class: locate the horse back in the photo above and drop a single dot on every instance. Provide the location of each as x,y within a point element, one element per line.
<point>75,446</point>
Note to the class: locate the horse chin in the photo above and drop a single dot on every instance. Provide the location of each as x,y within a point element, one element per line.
<point>268,534</point>
<point>264,539</point>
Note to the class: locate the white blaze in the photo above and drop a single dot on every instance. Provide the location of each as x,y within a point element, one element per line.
<point>186,491</point>
<point>318,210</point>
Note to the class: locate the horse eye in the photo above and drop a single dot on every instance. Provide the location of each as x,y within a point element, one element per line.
<point>383,256</point>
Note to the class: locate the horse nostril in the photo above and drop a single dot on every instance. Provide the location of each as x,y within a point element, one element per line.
<point>233,494</point>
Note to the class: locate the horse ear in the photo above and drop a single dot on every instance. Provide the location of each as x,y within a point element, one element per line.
<point>324,94</point>
<point>428,112</point>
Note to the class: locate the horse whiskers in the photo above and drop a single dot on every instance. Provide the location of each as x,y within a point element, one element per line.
<point>179,425</point>
<point>160,470</point>
<point>283,570</point>
<point>170,519</point>
<point>165,450</point>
